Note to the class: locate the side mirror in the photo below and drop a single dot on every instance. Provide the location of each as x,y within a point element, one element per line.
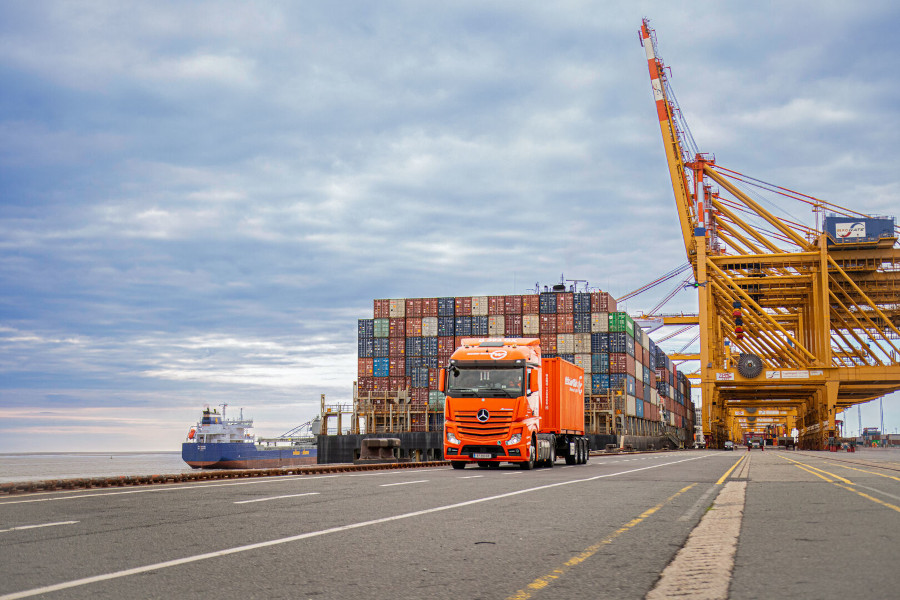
<point>534,380</point>
<point>441,376</point>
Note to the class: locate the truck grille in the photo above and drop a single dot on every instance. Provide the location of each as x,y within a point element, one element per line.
<point>497,427</point>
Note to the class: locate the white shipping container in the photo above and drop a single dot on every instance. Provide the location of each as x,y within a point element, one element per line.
<point>599,322</point>
<point>479,306</point>
<point>654,397</point>
<point>531,324</point>
<point>398,308</point>
<point>429,326</point>
<point>496,325</point>
<point>645,340</point>
<point>584,361</point>
<point>565,343</point>
<point>583,343</point>
<point>629,406</point>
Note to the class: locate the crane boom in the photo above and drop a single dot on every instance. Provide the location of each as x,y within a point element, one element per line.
<point>671,141</point>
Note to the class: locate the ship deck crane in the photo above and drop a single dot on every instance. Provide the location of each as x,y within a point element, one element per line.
<point>797,321</point>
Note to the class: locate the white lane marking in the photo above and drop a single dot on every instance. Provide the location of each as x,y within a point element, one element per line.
<point>277,497</point>
<point>703,567</point>
<point>877,491</point>
<point>693,509</point>
<point>513,473</point>
<point>21,527</point>
<point>470,477</point>
<point>168,489</point>
<point>303,536</point>
<point>404,483</point>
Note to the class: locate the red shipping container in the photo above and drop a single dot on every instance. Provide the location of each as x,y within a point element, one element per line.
<point>459,340</point>
<point>397,327</point>
<point>429,307</point>
<point>548,325</point>
<point>565,323</point>
<point>630,365</point>
<point>652,380</point>
<point>382,309</point>
<point>513,324</point>
<point>618,362</point>
<point>365,384</point>
<point>397,346</point>
<point>380,384</point>
<point>512,305</point>
<point>433,375</point>
<point>548,343</point>
<point>414,307</point>
<point>414,327</point>
<point>396,384</point>
<point>565,303</point>
<point>366,367</point>
<point>602,302</point>
<point>444,358</point>
<point>463,306</point>
<point>639,390</point>
<point>496,306</point>
<point>418,396</point>
<point>446,345</point>
<point>648,411</point>
<point>531,305</point>
<point>397,366</point>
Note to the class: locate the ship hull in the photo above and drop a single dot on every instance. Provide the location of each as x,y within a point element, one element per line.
<point>246,456</point>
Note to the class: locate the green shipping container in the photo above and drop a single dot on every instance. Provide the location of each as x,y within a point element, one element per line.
<point>620,321</point>
<point>436,399</point>
<point>382,328</point>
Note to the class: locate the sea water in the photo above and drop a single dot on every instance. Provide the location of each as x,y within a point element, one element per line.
<point>38,466</point>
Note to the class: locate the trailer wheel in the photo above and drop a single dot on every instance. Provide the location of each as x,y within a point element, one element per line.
<point>587,450</point>
<point>532,456</point>
<point>581,459</point>
<point>571,459</point>
<point>458,464</point>
<point>552,458</point>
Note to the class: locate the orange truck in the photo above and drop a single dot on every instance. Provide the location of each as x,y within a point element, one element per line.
<point>505,403</point>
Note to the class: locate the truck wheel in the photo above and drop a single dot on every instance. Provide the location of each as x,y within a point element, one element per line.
<point>587,450</point>
<point>458,464</point>
<point>552,458</point>
<point>571,459</point>
<point>532,456</point>
<point>581,452</point>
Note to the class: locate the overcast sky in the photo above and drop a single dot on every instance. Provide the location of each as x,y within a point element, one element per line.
<point>198,200</point>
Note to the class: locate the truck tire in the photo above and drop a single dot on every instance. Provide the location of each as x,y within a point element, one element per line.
<point>552,459</point>
<point>582,450</point>
<point>587,450</point>
<point>532,456</point>
<point>458,464</point>
<point>571,459</point>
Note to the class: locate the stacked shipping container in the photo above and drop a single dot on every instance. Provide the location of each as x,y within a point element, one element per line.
<point>407,340</point>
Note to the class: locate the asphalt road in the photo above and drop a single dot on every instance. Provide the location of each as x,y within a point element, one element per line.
<point>602,530</point>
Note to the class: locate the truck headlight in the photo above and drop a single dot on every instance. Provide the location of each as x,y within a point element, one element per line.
<point>451,438</point>
<point>514,439</point>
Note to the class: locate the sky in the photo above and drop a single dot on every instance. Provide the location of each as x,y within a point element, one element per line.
<point>198,200</point>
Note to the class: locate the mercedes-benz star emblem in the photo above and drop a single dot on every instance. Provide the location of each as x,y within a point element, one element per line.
<point>483,415</point>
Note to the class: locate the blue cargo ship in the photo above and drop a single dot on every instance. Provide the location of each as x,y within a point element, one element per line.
<point>218,443</point>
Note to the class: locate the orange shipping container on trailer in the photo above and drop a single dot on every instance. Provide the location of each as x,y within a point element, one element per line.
<point>562,397</point>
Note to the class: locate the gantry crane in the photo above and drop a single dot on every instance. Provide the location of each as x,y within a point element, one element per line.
<point>797,323</point>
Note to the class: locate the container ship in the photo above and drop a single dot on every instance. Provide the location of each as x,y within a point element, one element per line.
<point>632,388</point>
<point>219,443</point>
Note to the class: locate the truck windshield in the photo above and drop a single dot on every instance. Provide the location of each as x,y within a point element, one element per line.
<point>485,382</point>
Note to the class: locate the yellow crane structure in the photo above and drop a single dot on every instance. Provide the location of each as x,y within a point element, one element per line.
<point>797,323</point>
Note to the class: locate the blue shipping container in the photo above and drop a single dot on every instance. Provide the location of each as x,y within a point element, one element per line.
<point>630,385</point>
<point>366,328</point>
<point>599,342</point>
<point>446,307</point>
<point>599,384</point>
<point>583,322</point>
<point>600,363</point>
<point>419,377</point>
<point>548,303</point>
<point>639,408</point>
<point>429,346</point>
<point>479,325</point>
<point>366,347</point>
<point>414,346</point>
<point>463,326</point>
<point>382,347</point>
<point>446,326</point>
<point>382,367</point>
<point>582,303</point>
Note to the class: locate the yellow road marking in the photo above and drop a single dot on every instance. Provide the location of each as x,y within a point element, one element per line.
<point>864,471</point>
<point>849,483</point>
<point>728,472</point>
<point>542,582</point>
<point>872,498</point>
<point>838,477</point>
<point>819,475</point>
